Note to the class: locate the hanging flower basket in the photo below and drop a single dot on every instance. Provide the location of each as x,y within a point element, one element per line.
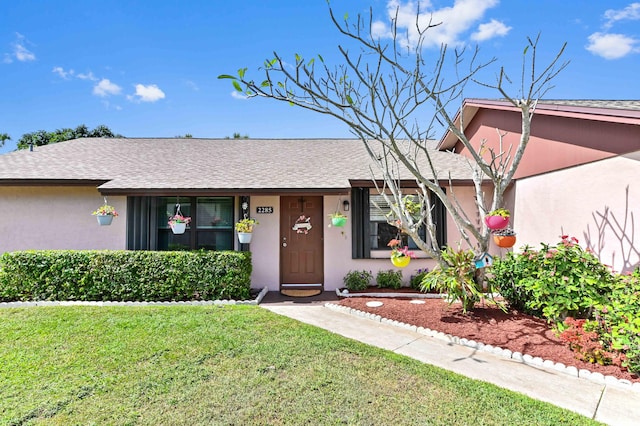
<point>244,228</point>
<point>245,237</point>
<point>105,214</point>
<point>504,238</point>
<point>400,256</point>
<point>504,241</point>
<point>104,219</point>
<point>400,261</point>
<point>338,221</point>
<point>496,222</point>
<point>497,219</point>
<point>178,227</point>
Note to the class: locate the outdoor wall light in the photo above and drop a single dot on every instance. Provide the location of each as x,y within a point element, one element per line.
<point>345,205</point>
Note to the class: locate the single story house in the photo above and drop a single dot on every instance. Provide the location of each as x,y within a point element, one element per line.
<point>579,176</point>
<point>53,189</point>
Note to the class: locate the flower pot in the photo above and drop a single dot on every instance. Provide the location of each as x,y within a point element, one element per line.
<point>496,222</point>
<point>244,237</point>
<point>104,219</point>
<point>178,227</point>
<point>504,241</point>
<point>338,221</point>
<point>400,262</point>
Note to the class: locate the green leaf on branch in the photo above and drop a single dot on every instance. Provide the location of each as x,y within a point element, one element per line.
<point>237,85</point>
<point>241,72</point>
<point>221,76</point>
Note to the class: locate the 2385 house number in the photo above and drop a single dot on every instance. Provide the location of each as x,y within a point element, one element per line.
<point>264,210</point>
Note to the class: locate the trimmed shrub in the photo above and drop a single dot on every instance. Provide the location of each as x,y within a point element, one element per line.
<point>619,320</point>
<point>556,282</point>
<point>93,275</point>
<point>389,279</point>
<point>416,280</point>
<point>357,280</point>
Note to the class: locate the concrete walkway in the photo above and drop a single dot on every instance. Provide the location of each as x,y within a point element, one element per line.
<point>613,404</point>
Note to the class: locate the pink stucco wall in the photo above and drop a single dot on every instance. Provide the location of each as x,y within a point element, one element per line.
<point>265,248</point>
<point>598,203</point>
<point>58,218</point>
<point>337,245</point>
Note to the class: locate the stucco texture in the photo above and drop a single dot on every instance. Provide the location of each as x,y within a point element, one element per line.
<point>598,203</point>
<point>38,218</point>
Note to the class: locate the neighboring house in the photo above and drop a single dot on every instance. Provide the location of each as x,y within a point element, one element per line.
<point>579,176</point>
<point>48,195</point>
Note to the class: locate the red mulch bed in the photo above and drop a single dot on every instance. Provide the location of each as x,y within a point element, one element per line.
<point>485,324</point>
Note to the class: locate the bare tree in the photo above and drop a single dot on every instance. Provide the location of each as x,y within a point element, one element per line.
<point>393,97</point>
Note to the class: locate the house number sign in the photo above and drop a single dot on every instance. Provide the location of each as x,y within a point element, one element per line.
<point>264,210</point>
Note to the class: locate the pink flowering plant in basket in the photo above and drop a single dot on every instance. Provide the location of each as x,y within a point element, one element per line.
<point>397,251</point>
<point>179,218</point>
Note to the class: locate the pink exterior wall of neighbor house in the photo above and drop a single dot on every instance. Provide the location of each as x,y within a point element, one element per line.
<point>597,203</point>
<point>556,142</point>
<point>67,224</point>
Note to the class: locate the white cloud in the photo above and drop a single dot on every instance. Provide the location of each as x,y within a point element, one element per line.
<point>237,95</point>
<point>150,93</point>
<point>490,30</point>
<point>20,52</point>
<point>453,21</point>
<point>612,46</point>
<point>105,88</point>
<point>615,45</point>
<point>192,85</point>
<point>62,73</point>
<point>629,13</point>
<point>87,76</point>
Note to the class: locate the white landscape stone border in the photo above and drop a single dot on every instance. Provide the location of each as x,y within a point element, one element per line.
<point>345,293</point>
<point>255,301</point>
<point>506,353</point>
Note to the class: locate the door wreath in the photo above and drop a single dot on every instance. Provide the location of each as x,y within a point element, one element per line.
<point>302,225</point>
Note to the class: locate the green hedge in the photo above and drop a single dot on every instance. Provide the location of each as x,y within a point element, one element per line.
<point>124,275</point>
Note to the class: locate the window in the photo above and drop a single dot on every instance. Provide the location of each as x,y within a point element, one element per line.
<point>371,230</point>
<point>381,232</point>
<point>211,226</point>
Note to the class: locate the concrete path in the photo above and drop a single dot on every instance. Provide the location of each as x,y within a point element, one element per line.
<point>613,404</point>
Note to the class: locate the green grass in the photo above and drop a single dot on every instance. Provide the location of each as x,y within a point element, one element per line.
<point>237,365</point>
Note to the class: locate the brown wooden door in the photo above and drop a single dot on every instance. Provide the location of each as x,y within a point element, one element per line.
<point>301,242</point>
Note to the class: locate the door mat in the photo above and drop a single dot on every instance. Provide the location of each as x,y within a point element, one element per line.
<point>301,292</point>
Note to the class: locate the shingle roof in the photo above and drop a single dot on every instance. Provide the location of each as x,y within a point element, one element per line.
<point>633,105</point>
<point>119,164</point>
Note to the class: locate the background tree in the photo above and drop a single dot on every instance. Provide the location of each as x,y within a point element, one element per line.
<point>42,137</point>
<point>3,138</point>
<point>237,135</point>
<point>393,97</point>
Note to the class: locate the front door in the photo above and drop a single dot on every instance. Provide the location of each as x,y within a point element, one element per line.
<point>301,243</point>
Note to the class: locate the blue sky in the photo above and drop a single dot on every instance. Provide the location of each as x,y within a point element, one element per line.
<point>149,68</point>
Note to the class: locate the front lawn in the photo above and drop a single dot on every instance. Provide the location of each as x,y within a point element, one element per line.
<point>227,365</point>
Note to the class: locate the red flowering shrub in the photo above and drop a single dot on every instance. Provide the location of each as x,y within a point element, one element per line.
<point>583,339</point>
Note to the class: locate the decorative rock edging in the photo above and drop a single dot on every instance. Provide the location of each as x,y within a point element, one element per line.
<point>345,293</point>
<point>255,301</point>
<point>506,353</point>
